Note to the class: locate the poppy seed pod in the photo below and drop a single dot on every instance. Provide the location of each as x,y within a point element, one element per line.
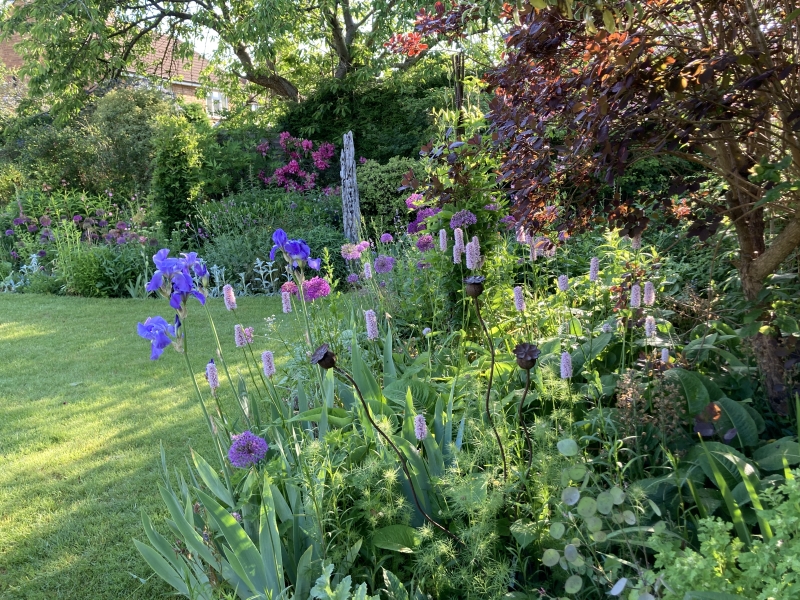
<point>527,355</point>
<point>474,285</point>
<point>323,357</point>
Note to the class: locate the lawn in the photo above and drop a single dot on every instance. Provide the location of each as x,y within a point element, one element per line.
<point>82,413</point>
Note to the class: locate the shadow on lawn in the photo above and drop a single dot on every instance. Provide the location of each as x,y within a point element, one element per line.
<point>79,462</point>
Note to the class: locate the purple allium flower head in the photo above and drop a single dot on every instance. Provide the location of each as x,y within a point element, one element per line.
<point>246,449</point>
<point>15,256</point>
<point>443,240</point>
<point>383,264</point>
<point>414,201</point>
<point>594,268</point>
<point>350,252</point>
<point>286,301</point>
<point>419,223</point>
<point>229,297</point>
<point>566,365</point>
<point>420,427</point>
<point>462,219</point>
<point>77,218</point>
<point>606,328</point>
<point>212,376</point>
<point>563,283</point>
<point>491,207</point>
<point>315,288</point>
<point>508,220</point>
<point>9,232</point>
<point>426,332</point>
<point>665,355</point>
<point>367,270</point>
<point>20,221</point>
<point>239,336</point>
<point>636,241</point>
<point>372,324</point>
<point>519,299</point>
<point>473,256</point>
<point>158,331</point>
<point>649,326</point>
<point>425,243</point>
<point>386,238</point>
<point>33,228</point>
<point>102,223</point>
<point>353,277</point>
<point>41,253</point>
<point>636,295</point>
<point>121,225</point>
<point>649,293</point>
<point>421,265</point>
<point>268,363</point>
<point>381,284</point>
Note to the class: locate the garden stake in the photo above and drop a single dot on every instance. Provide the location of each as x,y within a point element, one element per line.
<point>474,288</point>
<point>327,360</point>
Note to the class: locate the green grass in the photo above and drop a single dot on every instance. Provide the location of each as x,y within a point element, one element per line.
<point>82,413</point>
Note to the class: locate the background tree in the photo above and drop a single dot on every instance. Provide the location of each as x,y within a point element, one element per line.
<point>275,45</point>
<point>713,82</point>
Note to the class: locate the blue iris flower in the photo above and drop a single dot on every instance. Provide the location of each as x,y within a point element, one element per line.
<point>315,263</point>
<point>158,331</point>
<point>280,239</point>
<point>166,267</point>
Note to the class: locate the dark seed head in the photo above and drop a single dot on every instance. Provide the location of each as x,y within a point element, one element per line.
<point>526,354</point>
<point>323,357</point>
<point>473,285</point>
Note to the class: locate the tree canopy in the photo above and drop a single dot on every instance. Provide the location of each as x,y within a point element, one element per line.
<point>277,45</point>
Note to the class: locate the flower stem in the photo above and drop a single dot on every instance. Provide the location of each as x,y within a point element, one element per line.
<point>521,420</point>
<point>489,388</point>
<point>403,462</point>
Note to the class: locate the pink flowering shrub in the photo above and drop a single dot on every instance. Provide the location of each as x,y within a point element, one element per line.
<point>303,163</point>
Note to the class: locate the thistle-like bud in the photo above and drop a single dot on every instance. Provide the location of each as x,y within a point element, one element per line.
<point>229,297</point>
<point>566,365</point>
<point>649,293</point>
<point>519,299</point>
<point>212,376</point>
<point>268,362</point>
<point>420,427</point>
<point>649,327</point>
<point>594,268</point>
<point>636,295</point>
<point>527,355</point>
<point>323,357</point>
<point>372,324</point>
<point>286,301</point>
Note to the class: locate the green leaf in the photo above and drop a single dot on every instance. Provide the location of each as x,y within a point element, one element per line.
<point>568,447</point>
<point>590,350</point>
<point>771,456</point>
<point>162,568</point>
<point>408,418</point>
<point>399,538</point>
<point>733,508</point>
<point>269,541</point>
<point>389,369</point>
<point>694,392</point>
<point>735,415</point>
<point>723,458</point>
<point>241,548</point>
<point>337,417</point>
<point>711,596</point>
<point>211,480</point>
<point>364,378</point>
<point>305,575</point>
<point>525,532</point>
<point>394,589</point>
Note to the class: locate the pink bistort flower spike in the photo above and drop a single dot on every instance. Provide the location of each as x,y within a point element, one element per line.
<point>268,362</point>
<point>372,324</point>
<point>566,365</point>
<point>519,299</point>
<point>239,336</point>
<point>649,327</point>
<point>443,240</point>
<point>636,295</point>
<point>367,270</point>
<point>420,427</point>
<point>286,301</point>
<point>563,283</point>
<point>649,293</point>
<point>229,297</point>
<point>212,376</point>
<point>594,268</point>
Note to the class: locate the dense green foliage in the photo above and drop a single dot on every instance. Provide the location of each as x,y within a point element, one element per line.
<point>378,189</point>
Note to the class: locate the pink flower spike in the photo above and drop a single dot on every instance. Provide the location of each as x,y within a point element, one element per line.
<point>372,324</point>
<point>239,336</point>
<point>268,362</point>
<point>443,240</point>
<point>286,301</point>
<point>636,295</point>
<point>519,299</point>
<point>229,297</point>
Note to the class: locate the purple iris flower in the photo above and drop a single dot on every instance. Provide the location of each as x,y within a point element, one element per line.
<point>279,238</point>
<point>298,251</point>
<point>165,267</point>
<point>193,262</point>
<point>158,331</point>
<point>315,263</point>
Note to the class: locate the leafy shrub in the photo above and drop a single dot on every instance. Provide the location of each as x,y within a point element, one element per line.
<point>177,174</point>
<point>82,270</point>
<point>11,178</point>
<point>377,188</point>
<point>44,283</point>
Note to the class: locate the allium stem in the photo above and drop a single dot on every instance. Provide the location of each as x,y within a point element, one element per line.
<point>521,420</point>
<point>489,388</point>
<point>403,462</point>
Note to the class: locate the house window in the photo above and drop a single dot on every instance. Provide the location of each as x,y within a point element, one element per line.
<point>216,102</point>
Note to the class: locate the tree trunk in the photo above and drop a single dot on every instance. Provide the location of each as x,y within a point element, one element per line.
<point>351,208</point>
